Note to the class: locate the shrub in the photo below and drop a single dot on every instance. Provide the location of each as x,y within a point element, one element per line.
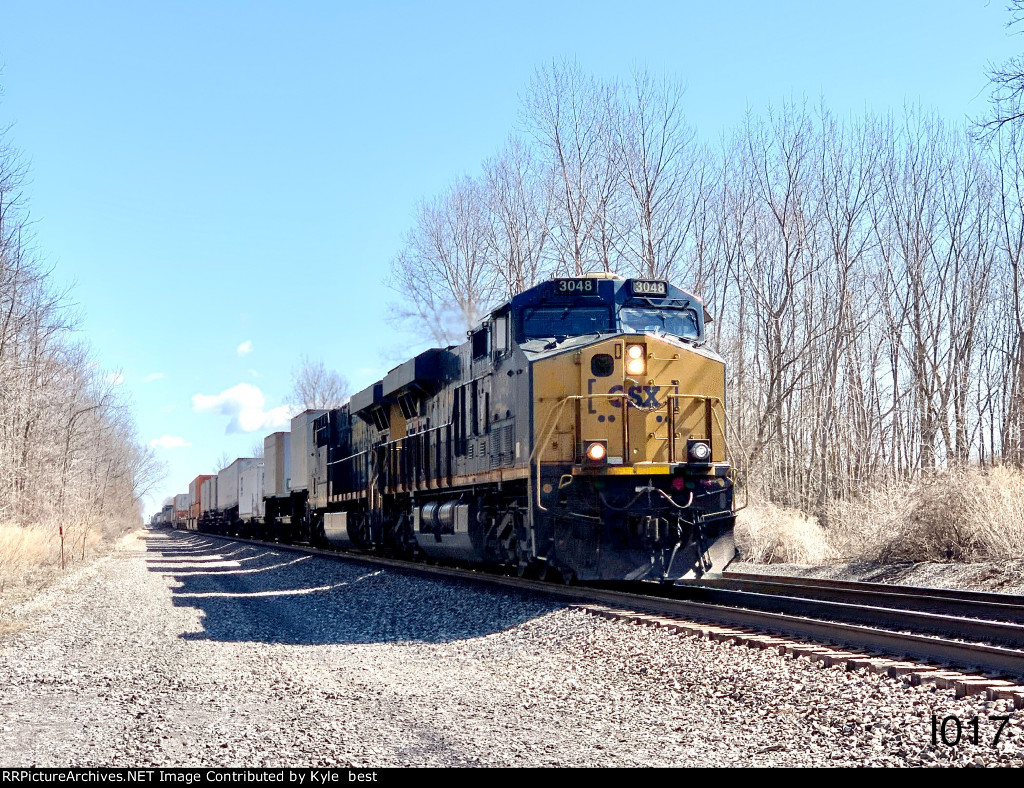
<point>766,533</point>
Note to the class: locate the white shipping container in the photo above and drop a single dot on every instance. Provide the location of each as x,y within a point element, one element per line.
<point>209,491</point>
<point>277,463</point>
<point>250,492</point>
<point>228,482</point>
<point>301,448</point>
<point>192,494</point>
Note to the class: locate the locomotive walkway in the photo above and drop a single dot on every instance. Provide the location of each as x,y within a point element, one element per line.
<point>181,650</point>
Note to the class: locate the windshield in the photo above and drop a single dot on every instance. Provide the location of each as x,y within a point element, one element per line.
<point>669,320</point>
<point>554,321</point>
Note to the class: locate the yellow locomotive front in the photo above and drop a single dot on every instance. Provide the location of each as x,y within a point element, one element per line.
<point>630,468</point>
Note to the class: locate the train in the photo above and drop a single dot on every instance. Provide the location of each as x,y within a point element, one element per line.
<point>579,433</point>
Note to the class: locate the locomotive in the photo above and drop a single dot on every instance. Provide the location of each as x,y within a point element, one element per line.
<point>579,433</point>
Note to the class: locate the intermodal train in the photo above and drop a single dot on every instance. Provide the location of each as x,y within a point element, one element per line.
<point>580,432</point>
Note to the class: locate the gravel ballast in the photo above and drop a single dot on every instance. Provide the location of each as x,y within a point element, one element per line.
<point>178,650</point>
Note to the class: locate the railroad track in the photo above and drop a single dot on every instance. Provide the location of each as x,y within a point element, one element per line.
<point>921,613</point>
<point>984,605</point>
<point>921,633</point>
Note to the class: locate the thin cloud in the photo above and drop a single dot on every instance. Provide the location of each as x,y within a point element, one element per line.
<point>243,404</point>
<point>169,442</point>
<point>245,348</point>
<point>154,376</point>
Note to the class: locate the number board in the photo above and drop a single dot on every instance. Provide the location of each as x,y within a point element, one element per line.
<point>576,287</point>
<point>648,287</point>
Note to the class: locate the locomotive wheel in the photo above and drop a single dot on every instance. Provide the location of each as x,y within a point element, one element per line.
<point>358,531</point>
<point>317,536</point>
<point>400,538</point>
<point>525,565</point>
<point>549,573</point>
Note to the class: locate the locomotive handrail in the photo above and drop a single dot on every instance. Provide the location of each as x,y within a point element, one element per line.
<point>359,455</point>
<point>350,457</point>
<point>557,410</point>
<point>745,457</point>
<point>729,454</point>
<point>400,476</point>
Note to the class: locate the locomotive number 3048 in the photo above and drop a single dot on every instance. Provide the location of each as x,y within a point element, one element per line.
<point>588,286</point>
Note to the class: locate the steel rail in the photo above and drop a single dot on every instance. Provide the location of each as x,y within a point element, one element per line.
<point>888,616</point>
<point>926,647</point>
<point>992,597</point>
<point>992,607</point>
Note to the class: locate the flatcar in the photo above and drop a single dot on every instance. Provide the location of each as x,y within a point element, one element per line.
<point>579,433</point>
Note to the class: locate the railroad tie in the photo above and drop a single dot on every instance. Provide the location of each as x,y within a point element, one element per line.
<point>900,669</point>
<point>978,686</point>
<point>1011,692</point>
<point>832,657</point>
<point>943,679</point>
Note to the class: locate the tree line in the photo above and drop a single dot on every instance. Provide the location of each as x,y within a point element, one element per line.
<point>68,448</point>
<point>864,274</point>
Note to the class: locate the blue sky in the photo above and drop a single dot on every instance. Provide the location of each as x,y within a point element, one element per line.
<point>225,183</point>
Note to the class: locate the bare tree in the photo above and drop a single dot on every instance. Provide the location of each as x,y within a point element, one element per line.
<point>568,114</point>
<point>315,386</point>
<point>518,203</point>
<point>1007,426</point>
<point>442,274</point>
<point>656,164</point>
<point>1007,82</point>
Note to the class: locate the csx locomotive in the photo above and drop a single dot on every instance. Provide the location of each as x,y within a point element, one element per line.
<point>580,433</point>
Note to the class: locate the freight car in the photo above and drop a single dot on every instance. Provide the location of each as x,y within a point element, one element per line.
<point>232,501</point>
<point>195,501</point>
<point>181,509</point>
<point>579,432</point>
<point>165,517</point>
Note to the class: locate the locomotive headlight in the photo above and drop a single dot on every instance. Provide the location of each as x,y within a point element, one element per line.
<point>699,451</point>
<point>636,364</point>
<point>596,451</point>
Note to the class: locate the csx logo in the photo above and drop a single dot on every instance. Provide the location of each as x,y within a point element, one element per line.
<point>640,396</point>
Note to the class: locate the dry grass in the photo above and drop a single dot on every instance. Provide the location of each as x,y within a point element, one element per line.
<point>30,555</point>
<point>956,515</point>
<point>859,529</point>
<point>25,549</point>
<point>766,533</point>
<point>968,515</point>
